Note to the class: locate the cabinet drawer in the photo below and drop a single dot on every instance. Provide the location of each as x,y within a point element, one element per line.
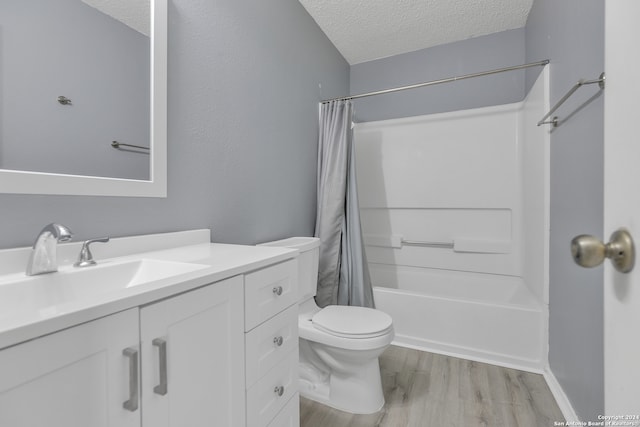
<point>269,291</point>
<point>290,414</point>
<point>267,344</point>
<point>263,398</point>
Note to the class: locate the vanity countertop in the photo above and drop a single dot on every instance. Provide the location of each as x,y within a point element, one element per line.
<point>208,262</point>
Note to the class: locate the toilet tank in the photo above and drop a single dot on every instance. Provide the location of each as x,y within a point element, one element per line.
<point>309,248</point>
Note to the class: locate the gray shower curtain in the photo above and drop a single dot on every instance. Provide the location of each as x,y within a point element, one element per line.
<point>343,275</point>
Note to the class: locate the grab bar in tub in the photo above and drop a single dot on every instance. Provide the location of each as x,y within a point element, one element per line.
<point>396,241</point>
<point>466,245</point>
<point>445,245</point>
<point>486,246</point>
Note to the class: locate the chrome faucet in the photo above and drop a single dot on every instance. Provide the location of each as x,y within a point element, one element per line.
<point>43,257</point>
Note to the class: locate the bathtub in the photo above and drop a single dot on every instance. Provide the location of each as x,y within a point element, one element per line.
<point>455,219</point>
<point>488,318</point>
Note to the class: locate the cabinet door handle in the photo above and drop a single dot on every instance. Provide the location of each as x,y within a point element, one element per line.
<point>278,341</point>
<point>277,290</point>
<point>279,390</point>
<point>161,388</point>
<point>132,403</point>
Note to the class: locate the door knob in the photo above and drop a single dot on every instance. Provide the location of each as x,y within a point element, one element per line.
<point>588,251</point>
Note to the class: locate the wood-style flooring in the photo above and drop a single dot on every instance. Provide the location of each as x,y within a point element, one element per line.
<point>425,389</point>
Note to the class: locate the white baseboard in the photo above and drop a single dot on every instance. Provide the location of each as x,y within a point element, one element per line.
<point>561,398</point>
<point>468,353</point>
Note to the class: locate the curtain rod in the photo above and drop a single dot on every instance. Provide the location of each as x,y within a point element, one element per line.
<point>435,82</point>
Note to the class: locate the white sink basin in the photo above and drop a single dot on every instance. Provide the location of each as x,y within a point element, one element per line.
<point>47,295</point>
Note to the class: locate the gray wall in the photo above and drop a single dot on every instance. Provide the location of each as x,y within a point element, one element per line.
<point>64,47</point>
<point>450,60</point>
<point>571,34</point>
<point>242,131</point>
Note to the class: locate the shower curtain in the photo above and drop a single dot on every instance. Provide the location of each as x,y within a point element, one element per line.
<point>343,274</point>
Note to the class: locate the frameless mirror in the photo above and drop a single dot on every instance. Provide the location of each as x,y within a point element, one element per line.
<point>83,97</point>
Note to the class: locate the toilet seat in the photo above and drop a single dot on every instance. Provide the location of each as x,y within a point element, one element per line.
<point>352,322</point>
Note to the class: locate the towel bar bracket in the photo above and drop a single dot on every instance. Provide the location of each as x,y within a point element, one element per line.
<point>554,121</point>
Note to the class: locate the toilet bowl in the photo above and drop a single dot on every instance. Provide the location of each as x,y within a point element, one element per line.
<point>339,345</point>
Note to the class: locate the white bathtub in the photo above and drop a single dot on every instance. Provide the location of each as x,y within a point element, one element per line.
<point>489,318</point>
<point>476,180</point>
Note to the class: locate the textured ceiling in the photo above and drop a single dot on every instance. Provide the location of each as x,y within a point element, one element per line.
<point>133,13</point>
<point>364,30</point>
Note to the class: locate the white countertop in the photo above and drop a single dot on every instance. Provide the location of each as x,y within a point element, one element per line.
<point>219,261</point>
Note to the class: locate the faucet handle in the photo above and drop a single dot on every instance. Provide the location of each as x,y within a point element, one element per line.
<point>85,258</point>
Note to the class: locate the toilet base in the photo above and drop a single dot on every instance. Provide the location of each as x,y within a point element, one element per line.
<point>356,394</point>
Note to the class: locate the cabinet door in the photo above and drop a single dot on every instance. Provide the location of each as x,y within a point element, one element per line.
<point>199,335</point>
<point>78,377</point>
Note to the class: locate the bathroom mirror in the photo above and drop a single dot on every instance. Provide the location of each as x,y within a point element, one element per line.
<point>77,75</point>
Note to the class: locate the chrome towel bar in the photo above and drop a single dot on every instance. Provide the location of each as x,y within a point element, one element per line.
<point>578,85</point>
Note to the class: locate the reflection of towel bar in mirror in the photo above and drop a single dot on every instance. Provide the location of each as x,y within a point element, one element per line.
<point>554,120</point>
<point>116,144</point>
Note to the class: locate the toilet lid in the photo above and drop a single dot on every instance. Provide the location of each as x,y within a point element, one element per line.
<point>352,322</point>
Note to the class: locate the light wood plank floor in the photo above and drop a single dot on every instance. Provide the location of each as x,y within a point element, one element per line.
<point>425,389</point>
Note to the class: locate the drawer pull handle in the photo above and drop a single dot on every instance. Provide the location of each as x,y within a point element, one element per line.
<point>279,390</point>
<point>132,403</point>
<point>278,341</point>
<point>161,388</point>
<point>277,290</point>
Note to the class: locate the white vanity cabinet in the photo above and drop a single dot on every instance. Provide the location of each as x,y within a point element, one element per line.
<point>271,344</point>
<point>77,377</point>
<point>174,363</point>
<point>192,358</point>
<point>165,351</point>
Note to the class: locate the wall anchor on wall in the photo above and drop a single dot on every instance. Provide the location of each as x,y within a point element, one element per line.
<point>63,100</point>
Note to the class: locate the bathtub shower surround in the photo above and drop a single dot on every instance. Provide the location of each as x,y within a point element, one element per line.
<point>455,219</point>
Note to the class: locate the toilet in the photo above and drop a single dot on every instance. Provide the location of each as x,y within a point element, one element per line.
<point>339,345</point>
